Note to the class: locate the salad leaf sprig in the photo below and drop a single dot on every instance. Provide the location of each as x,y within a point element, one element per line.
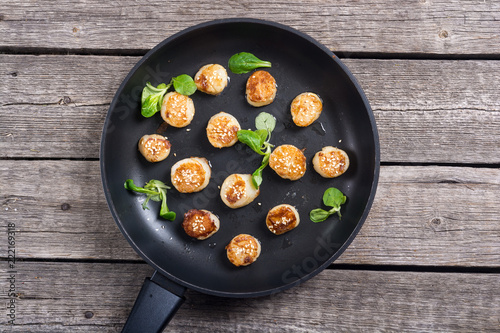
<point>156,191</point>
<point>258,141</point>
<point>244,62</point>
<point>152,97</point>
<point>331,198</point>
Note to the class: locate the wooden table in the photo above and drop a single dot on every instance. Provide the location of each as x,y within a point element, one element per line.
<point>427,257</point>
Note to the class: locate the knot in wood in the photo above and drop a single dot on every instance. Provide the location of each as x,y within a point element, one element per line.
<point>436,221</point>
<point>65,100</point>
<point>65,206</point>
<point>443,34</point>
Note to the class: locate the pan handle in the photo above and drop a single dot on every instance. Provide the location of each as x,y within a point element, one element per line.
<point>156,304</point>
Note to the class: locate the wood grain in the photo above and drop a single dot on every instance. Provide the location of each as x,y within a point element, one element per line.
<point>418,26</point>
<point>101,295</point>
<point>426,111</point>
<point>427,216</point>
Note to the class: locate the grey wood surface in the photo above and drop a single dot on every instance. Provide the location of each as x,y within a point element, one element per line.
<point>427,111</point>
<point>388,26</point>
<point>96,297</point>
<point>427,258</point>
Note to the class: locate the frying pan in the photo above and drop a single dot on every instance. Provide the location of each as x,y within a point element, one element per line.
<point>299,64</point>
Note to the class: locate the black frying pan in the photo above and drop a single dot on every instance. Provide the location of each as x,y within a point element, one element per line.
<point>299,64</point>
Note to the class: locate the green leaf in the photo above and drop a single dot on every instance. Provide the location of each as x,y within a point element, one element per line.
<point>258,141</point>
<point>149,89</point>
<point>164,212</point>
<point>318,215</point>
<point>244,62</point>
<point>257,174</point>
<point>336,210</point>
<point>157,184</point>
<point>251,139</point>
<point>152,98</point>
<point>129,185</point>
<point>265,121</point>
<point>333,197</point>
<point>168,215</point>
<point>257,177</point>
<point>150,106</point>
<point>157,191</point>
<point>159,187</point>
<point>184,84</point>
<point>262,133</point>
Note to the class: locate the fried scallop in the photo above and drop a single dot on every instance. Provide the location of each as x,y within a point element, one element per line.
<point>237,190</point>
<point>200,223</point>
<point>177,110</point>
<point>306,108</point>
<point>330,162</point>
<point>288,162</point>
<point>190,174</point>
<point>211,79</point>
<point>243,250</point>
<point>154,147</point>
<point>282,218</point>
<point>260,89</point>
<point>222,130</point>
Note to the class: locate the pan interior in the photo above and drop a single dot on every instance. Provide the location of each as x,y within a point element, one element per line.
<point>298,64</point>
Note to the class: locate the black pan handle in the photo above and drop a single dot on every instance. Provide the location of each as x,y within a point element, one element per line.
<point>156,304</point>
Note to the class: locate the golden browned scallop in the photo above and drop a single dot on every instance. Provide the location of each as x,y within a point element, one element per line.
<point>190,174</point>
<point>222,130</point>
<point>243,250</point>
<point>306,108</point>
<point>177,110</point>
<point>282,218</point>
<point>200,223</point>
<point>237,190</point>
<point>154,147</point>
<point>330,162</point>
<point>211,79</point>
<point>260,89</point>
<point>288,162</point>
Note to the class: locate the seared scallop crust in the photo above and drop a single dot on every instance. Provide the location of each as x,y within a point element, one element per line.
<point>288,162</point>
<point>282,218</point>
<point>200,223</point>
<point>190,174</point>
<point>306,108</point>
<point>154,147</point>
<point>237,190</point>
<point>243,250</point>
<point>260,89</point>
<point>177,110</point>
<point>211,79</point>
<point>222,130</point>
<point>331,162</point>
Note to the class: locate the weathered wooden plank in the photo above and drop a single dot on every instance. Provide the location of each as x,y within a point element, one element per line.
<point>101,296</point>
<point>426,111</point>
<point>421,215</point>
<point>59,211</point>
<point>434,27</point>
